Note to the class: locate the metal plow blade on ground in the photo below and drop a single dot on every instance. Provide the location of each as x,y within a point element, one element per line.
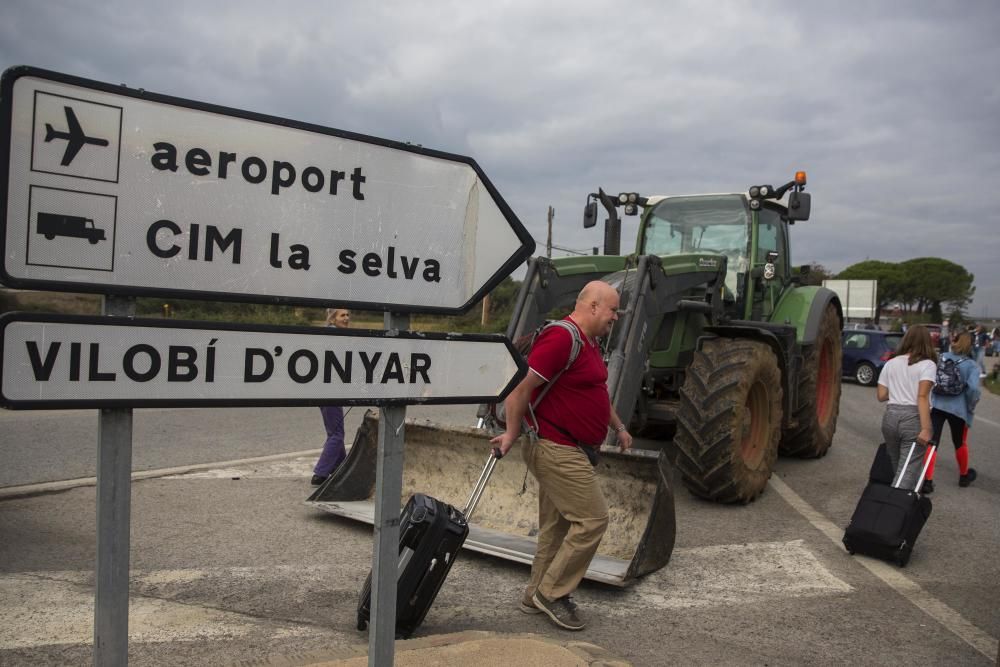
<point>446,462</point>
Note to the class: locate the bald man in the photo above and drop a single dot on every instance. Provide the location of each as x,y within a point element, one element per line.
<point>573,418</point>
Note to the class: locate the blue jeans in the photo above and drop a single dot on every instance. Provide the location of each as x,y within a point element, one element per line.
<point>333,449</point>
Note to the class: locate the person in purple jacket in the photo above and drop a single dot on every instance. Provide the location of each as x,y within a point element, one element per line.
<point>334,452</point>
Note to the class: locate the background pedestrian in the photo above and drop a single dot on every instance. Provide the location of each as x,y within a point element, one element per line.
<point>905,383</point>
<point>956,410</point>
<point>334,451</point>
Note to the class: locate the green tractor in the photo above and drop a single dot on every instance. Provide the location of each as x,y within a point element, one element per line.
<point>721,355</point>
<point>721,359</point>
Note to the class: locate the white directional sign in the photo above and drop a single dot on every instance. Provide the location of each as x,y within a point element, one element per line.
<point>64,361</point>
<point>114,190</point>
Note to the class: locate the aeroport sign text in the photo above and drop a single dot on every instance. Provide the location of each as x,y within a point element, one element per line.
<point>118,191</point>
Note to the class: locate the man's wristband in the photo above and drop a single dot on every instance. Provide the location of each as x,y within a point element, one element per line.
<point>620,428</point>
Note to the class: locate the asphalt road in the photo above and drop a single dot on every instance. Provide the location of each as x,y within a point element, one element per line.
<point>229,565</point>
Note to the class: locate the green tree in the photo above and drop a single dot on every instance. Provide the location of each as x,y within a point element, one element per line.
<point>924,285</point>
<point>956,319</point>
<point>935,282</point>
<point>816,275</point>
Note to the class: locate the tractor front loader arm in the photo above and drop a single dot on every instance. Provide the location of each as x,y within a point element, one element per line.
<point>648,295</point>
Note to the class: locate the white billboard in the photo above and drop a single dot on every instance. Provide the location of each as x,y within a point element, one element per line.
<point>859,298</point>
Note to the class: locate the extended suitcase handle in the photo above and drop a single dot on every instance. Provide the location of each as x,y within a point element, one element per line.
<point>484,477</point>
<point>931,453</point>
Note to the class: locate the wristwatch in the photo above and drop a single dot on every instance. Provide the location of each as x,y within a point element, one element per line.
<point>619,429</point>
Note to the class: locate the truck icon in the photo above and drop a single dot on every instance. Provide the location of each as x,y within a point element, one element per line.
<point>51,225</point>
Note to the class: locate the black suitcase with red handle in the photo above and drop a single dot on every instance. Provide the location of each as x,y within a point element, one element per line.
<point>888,519</point>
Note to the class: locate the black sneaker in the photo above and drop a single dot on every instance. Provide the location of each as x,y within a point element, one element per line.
<point>561,611</point>
<point>928,487</point>
<point>967,478</point>
<point>317,480</point>
<point>527,606</point>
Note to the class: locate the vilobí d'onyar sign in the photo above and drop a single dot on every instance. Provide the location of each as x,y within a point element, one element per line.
<point>113,190</point>
<point>72,361</point>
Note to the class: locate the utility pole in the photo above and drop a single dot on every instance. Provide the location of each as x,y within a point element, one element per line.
<point>548,242</point>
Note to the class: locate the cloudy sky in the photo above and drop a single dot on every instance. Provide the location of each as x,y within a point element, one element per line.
<point>893,108</point>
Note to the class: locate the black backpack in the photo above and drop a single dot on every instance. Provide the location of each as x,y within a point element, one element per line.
<point>949,380</point>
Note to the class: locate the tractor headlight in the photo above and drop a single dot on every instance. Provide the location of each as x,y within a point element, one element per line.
<point>630,200</point>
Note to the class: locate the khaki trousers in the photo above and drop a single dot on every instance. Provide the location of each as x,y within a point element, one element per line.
<point>572,516</point>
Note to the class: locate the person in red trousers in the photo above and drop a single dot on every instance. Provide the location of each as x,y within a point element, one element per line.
<point>956,410</point>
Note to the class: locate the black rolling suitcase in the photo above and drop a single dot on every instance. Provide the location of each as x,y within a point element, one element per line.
<point>888,519</point>
<point>430,534</point>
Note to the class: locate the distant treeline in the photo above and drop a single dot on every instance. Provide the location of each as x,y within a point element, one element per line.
<point>501,303</point>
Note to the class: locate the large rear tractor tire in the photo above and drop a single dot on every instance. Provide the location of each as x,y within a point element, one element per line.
<point>819,394</point>
<point>729,421</point>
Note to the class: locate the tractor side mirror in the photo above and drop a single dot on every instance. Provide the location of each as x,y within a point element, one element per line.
<point>590,215</point>
<point>798,205</point>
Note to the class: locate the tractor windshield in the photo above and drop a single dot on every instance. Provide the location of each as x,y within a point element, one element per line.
<point>717,224</point>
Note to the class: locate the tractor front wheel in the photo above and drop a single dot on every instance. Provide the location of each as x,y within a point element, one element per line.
<point>729,420</point>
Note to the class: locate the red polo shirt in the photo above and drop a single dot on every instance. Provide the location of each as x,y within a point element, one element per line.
<point>577,409</point>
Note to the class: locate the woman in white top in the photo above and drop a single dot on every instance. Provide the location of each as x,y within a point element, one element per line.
<point>905,382</point>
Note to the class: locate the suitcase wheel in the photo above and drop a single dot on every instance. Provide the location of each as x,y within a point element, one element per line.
<point>362,624</point>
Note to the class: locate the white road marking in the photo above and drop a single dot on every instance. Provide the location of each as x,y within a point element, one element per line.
<point>52,608</point>
<point>986,421</point>
<point>301,466</point>
<point>48,487</point>
<point>894,578</point>
<point>731,574</point>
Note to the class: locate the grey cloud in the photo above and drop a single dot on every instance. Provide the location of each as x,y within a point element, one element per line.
<point>891,107</point>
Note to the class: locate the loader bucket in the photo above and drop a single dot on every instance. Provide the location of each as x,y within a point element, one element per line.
<point>446,462</point>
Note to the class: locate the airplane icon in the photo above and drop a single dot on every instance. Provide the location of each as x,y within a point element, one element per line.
<point>75,137</point>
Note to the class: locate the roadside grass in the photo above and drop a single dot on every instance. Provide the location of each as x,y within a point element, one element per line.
<point>992,380</point>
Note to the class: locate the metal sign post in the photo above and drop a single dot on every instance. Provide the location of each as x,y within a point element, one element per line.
<point>388,491</point>
<point>114,490</point>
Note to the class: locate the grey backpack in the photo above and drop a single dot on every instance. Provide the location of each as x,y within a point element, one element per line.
<point>497,413</point>
<point>949,380</point>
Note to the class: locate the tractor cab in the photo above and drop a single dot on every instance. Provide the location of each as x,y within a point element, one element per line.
<point>750,230</point>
